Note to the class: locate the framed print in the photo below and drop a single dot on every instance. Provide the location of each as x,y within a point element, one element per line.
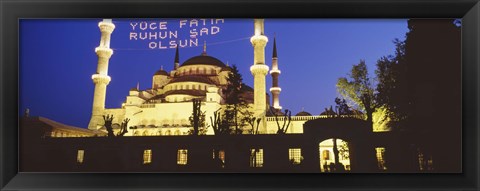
<point>207,95</point>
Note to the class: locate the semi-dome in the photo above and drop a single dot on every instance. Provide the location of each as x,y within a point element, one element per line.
<point>204,60</point>
<point>303,113</point>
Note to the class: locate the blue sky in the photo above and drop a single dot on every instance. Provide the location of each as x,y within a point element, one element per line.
<point>57,59</point>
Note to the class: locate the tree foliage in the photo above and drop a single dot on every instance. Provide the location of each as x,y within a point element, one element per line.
<point>359,89</point>
<point>392,84</point>
<point>342,107</point>
<point>236,104</point>
<point>196,117</point>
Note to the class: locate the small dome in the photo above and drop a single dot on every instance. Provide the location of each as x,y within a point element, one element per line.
<point>303,113</point>
<point>161,72</point>
<point>204,60</point>
<point>275,111</point>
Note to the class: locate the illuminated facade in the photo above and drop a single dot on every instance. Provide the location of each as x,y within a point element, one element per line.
<point>164,109</point>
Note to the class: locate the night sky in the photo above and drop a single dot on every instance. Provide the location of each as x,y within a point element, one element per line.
<point>57,59</point>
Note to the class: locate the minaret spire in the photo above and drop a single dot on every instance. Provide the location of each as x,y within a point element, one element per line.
<point>204,48</point>
<point>274,55</point>
<point>275,72</point>
<point>101,78</point>
<point>176,62</point>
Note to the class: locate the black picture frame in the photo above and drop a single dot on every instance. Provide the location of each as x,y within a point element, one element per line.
<point>11,11</point>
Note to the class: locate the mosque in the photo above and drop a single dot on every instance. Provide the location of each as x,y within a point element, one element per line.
<point>165,108</point>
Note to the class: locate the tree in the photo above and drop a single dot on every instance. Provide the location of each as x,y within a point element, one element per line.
<point>202,127</point>
<point>252,121</point>
<point>392,86</point>
<point>220,126</point>
<point>359,89</point>
<point>196,117</point>
<point>287,118</point>
<point>108,125</point>
<point>235,102</point>
<point>342,107</point>
<point>433,58</point>
<point>123,129</point>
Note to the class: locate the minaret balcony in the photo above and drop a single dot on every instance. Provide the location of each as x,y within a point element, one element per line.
<point>104,51</point>
<point>275,89</point>
<point>259,69</point>
<point>99,78</point>
<point>260,40</point>
<point>275,71</point>
<point>106,27</point>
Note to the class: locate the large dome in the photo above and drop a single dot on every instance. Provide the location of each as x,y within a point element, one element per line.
<point>204,60</point>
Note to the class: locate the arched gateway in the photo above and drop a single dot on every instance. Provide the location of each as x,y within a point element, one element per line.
<point>353,149</point>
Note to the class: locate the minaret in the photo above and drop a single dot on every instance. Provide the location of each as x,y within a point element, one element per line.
<point>275,72</point>
<point>101,78</point>
<point>259,69</point>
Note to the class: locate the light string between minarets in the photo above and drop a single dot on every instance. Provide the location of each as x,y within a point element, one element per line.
<point>209,44</point>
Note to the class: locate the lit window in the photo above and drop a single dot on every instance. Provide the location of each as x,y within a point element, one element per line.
<point>182,156</point>
<point>430,163</point>
<point>147,156</point>
<point>219,155</point>
<point>326,155</point>
<point>80,155</point>
<point>295,156</point>
<point>381,158</point>
<point>256,157</point>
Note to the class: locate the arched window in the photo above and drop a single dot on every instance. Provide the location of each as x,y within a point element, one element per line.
<point>168,132</point>
<point>177,132</point>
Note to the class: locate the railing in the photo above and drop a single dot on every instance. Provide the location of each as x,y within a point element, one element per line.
<point>307,118</point>
<point>147,105</point>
